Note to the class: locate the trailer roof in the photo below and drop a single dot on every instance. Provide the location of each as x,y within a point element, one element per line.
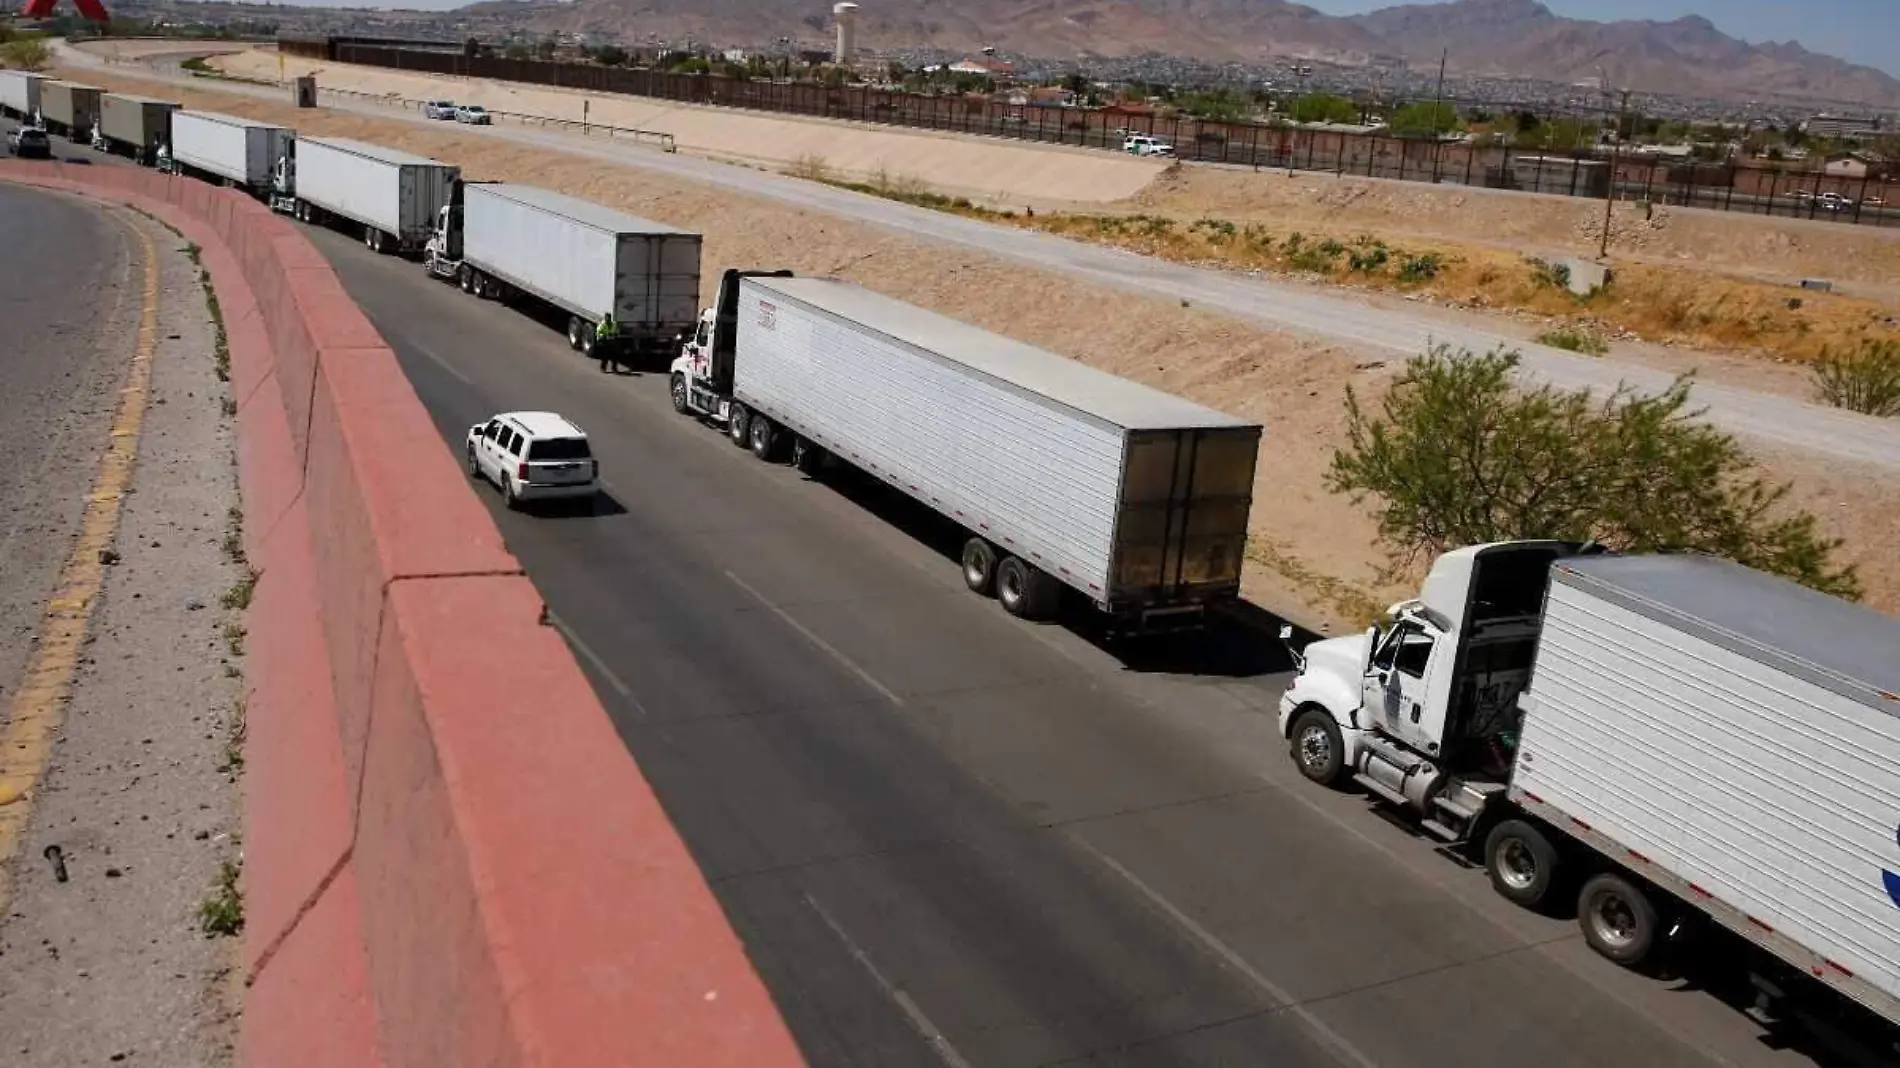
<point>143,99</point>
<point>232,120</point>
<point>1843,647</point>
<point>1114,400</point>
<point>585,212</point>
<point>377,152</point>
<point>72,85</point>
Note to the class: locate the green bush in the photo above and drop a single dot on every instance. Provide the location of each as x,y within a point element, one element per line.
<point>1575,340</point>
<point>1421,268</point>
<point>1458,455</point>
<point>1864,379</point>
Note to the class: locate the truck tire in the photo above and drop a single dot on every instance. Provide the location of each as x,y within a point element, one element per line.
<point>1618,919</point>
<point>807,458</point>
<point>467,279</point>
<point>1522,863</point>
<point>678,391</point>
<point>1316,747</point>
<point>736,420</point>
<point>587,340</point>
<point>1016,589</point>
<point>763,436</point>
<point>979,567</point>
<point>574,332</point>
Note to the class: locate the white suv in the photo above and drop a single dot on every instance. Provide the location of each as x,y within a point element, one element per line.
<point>439,109</point>
<point>533,456</point>
<point>1143,145</point>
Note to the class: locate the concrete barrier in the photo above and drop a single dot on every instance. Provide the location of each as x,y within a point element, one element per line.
<point>448,862</point>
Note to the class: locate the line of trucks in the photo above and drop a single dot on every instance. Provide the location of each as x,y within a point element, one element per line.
<point>1665,743</point>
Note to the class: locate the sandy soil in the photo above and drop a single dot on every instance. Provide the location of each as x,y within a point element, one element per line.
<point>1314,554</point>
<point>1745,246</point>
<point>991,170</point>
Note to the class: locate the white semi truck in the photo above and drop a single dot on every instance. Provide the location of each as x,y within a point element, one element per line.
<point>20,94</point>
<point>228,149</point>
<point>1668,738</point>
<point>1059,475</point>
<point>504,240</point>
<point>392,198</point>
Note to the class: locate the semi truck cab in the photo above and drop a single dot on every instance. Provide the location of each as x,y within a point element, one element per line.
<point>701,377</point>
<point>1422,712</point>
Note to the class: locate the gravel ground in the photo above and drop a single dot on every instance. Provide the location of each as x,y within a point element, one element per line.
<point>112,967</point>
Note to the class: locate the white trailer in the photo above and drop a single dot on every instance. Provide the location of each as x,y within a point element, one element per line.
<point>392,196</point>
<point>1675,739</point>
<point>589,261</point>
<point>1059,475</point>
<point>240,151</point>
<point>20,94</point>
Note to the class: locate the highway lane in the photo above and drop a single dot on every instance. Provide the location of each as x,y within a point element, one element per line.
<point>1765,417</point>
<point>67,318</point>
<point>949,838</point>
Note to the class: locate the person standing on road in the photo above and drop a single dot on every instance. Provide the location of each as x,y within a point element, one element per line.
<point>606,343</point>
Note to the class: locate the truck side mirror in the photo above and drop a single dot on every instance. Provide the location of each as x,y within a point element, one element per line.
<point>1372,646</point>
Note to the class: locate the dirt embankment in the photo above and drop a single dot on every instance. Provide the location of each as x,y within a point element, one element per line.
<point>1313,552</point>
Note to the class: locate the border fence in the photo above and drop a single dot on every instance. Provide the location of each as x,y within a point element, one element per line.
<point>1785,191</point>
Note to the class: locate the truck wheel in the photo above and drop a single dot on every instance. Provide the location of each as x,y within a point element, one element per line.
<point>574,332</point>
<point>1012,586</point>
<point>1318,750</point>
<point>467,279</point>
<point>1618,919</point>
<point>369,239</point>
<point>764,439</point>
<point>587,340</point>
<point>1522,862</point>
<point>979,567</point>
<point>806,457</point>
<point>736,419</point>
<point>678,389</point>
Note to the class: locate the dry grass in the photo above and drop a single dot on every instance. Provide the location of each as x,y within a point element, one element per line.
<point>1311,552</point>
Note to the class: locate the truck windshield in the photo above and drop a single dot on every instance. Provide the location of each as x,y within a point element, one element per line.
<point>559,449</point>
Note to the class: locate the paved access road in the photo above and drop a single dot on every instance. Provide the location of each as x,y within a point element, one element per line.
<point>951,839</point>
<point>1395,331</point>
<point>64,272</point>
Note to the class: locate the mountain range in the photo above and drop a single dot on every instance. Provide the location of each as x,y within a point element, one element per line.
<point>1512,38</point>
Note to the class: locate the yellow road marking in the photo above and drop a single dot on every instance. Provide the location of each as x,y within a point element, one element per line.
<point>33,715</point>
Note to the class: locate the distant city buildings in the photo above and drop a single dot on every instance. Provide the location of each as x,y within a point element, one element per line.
<point>1841,127</point>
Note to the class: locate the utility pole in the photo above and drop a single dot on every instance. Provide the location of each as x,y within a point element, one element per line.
<point>1609,190</point>
<point>1438,106</point>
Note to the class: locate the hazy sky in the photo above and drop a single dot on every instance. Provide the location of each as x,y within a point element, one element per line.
<point>1864,31</point>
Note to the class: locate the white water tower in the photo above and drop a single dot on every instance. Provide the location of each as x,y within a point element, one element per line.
<point>846,15</point>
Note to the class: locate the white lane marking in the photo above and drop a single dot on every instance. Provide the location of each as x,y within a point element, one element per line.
<point>851,665</point>
<point>440,362</point>
<point>588,654</point>
<point>1230,957</point>
<point>933,1036</point>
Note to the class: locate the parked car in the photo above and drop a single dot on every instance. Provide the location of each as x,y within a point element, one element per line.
<point>473,114</point>
<point>29,141</point>
<point>533,456</point>
<point>1834,202</point>
<point>439,109</point>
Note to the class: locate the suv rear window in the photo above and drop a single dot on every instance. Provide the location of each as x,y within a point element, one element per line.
<point>559,449</point>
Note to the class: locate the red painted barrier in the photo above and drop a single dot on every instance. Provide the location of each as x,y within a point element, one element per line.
<point>446,865</point>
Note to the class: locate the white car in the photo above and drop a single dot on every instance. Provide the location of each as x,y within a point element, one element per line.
<point>533,456</point>
<point>1834,202</point>
<point>439,109</point>
<point>473,114</point>
<point>1143,145</point>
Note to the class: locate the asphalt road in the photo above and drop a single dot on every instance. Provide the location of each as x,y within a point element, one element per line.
<point>1394,331</point>
<point>949,838</point>
<point>64,273</point>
